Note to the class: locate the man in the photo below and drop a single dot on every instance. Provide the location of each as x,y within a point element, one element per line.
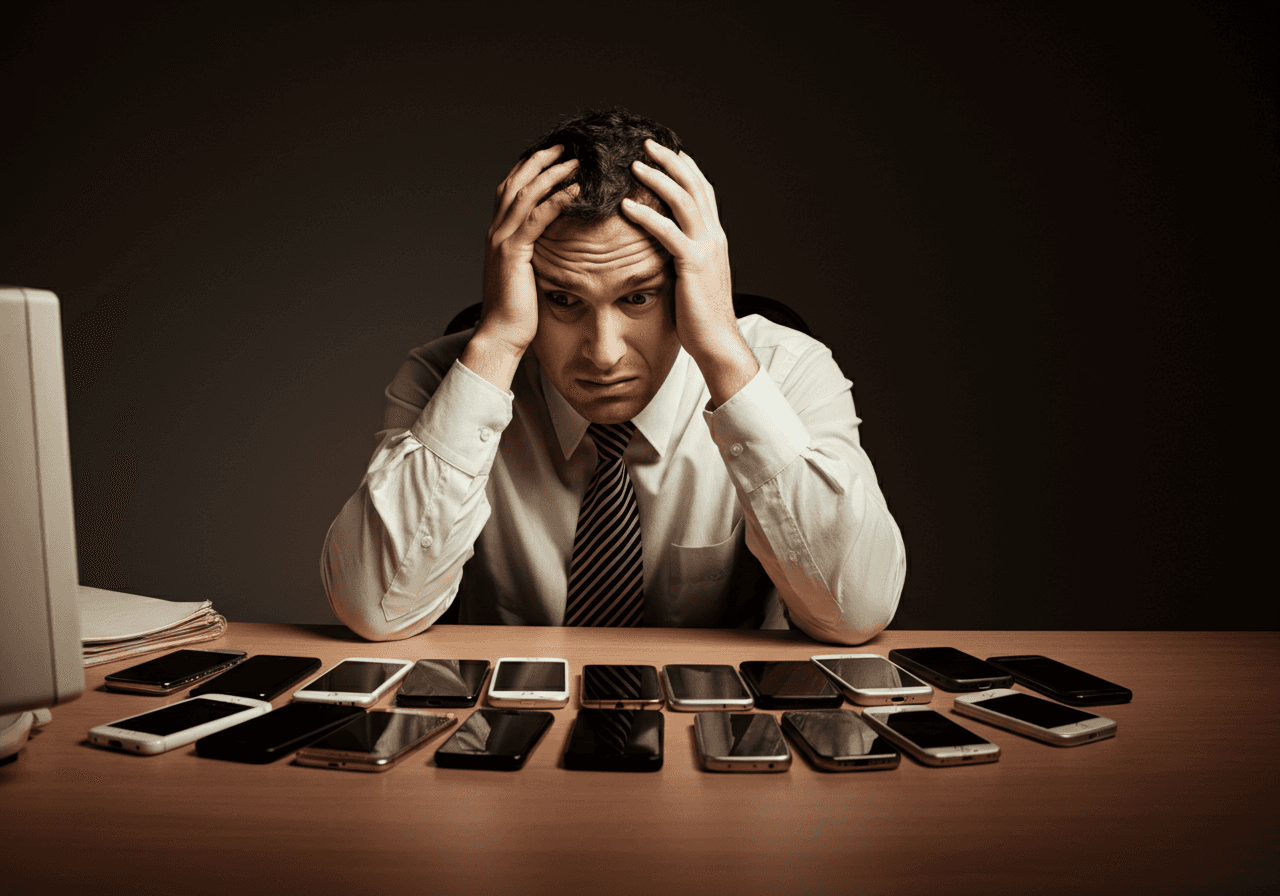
<point>611,446</point>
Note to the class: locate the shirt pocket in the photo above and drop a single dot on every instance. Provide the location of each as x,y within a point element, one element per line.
<point>699,579</point>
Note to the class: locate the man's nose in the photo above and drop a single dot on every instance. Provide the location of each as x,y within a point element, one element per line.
<point>604,342</point>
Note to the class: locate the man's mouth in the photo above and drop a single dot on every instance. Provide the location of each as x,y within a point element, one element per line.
<point>606,385</point>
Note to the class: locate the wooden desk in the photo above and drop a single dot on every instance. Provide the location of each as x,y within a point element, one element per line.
<point>1184,800</point>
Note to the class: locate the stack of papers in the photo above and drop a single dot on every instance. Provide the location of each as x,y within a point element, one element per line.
<point>115,625</point>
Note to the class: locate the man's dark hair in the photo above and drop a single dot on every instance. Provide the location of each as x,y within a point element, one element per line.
<point>606,142</point>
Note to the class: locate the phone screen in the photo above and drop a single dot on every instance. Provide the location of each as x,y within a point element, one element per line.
<point>694,682</point>
<point>833,733</point>
<point>459,679</point>
<point>181,716</point>
<point>740,734</point>
<point>176,666</point>
<point>928,729</point>
<point>382,735</point>
<point>1056,675</point>
<point>952,663</point>
<point>788,679</point>
<point>270,736</point>
<point>617,683</point>
<point>355,677</point>
<point>500,732</point>
<point>617,732</point>
<point>522,675</point>
<point>1035,711</point>
<point>263,676</point>
<point>870,672</point>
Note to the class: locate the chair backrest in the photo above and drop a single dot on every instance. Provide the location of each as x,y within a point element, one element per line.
<point>743,304</point>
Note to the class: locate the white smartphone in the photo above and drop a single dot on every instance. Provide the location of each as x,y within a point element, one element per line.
<point>520,681</point>
<point>375,741</point>
<point>869,679</point>
<point>356,681</point>
<point>740,742</point>
<point>178,724</point>
<point>929,736</point>
<point>693,688</point>
<point>1044,720</point>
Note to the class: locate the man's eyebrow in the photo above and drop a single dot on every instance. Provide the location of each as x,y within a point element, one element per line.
<point>628,283</point>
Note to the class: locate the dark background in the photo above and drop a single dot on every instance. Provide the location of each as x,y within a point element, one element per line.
<point>1038,240</point>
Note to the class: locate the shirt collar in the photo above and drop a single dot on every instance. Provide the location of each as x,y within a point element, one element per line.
<point>655,421</point>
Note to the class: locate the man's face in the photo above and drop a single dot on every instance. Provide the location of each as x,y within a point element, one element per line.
<point>606,337</point>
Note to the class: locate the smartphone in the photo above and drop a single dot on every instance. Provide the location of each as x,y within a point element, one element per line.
<point>694,688</point>
<point>616,740</point>
<point>375,741</point>
<point>740,742</point>
<point>277,733</point>
<point>837,740</point>
<point>930,737</point>
<point>452,683</point>
<point>262,677</point>
<point>529,681</point>
<point>951,669</point>
<point>621,687</point>
<point>356,681</point>
<point>173,671</point>
<point>790,684</point>
<point>1063,683</point>
<point>495,739</point>
<point>1023,714</point>
<point>871,680</point>
<point>177,724</point>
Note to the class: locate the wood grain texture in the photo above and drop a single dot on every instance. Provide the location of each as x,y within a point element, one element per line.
<point>1185,799</point>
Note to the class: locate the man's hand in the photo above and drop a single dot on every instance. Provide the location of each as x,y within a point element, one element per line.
<point>510,317</point>
<point>705,322</point>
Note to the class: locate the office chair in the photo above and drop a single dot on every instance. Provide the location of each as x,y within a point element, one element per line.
<point>743,304</point>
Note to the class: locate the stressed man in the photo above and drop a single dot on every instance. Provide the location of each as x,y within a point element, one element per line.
<point>611,445</point>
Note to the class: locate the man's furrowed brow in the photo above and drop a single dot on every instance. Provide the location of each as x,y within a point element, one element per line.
<point>645,277</point>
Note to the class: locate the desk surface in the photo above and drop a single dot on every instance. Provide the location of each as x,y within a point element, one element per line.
<point>1185,799</point>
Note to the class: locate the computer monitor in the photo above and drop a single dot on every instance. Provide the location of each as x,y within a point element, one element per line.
<point>41,658</point>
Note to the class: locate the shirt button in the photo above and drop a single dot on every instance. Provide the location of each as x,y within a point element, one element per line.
<point>427,541</point>
<point>485,432</point>
<point>736,449</point>
<point>792,556</point>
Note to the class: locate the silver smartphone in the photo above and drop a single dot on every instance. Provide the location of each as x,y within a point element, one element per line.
<point>1030,716</point>
<point>869,679</point>
<point>520,681</point>
<point>177,724</point>
<point>695,688</point>
<point>356,681</point>
<point>837,740</point>
<point>740,742</point>
<point>375,741</point>
<point>929,736</point>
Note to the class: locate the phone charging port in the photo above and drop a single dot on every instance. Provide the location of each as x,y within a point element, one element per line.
<point>896,699</point>
<point>115,743</point>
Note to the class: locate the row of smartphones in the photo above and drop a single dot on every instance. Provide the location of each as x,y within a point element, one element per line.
<point>865,679</point>
<point>625,737</point>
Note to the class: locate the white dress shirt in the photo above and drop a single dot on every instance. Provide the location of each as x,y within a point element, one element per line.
<point>473,494</point>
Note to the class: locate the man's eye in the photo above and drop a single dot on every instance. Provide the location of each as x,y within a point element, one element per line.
<point>641,298</point>
<point>558,298</point>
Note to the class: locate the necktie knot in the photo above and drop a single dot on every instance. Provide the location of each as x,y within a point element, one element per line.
<point>611,440</point>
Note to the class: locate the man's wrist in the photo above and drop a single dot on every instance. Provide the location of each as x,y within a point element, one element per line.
<point>492,358</point>
<point>726,366</point>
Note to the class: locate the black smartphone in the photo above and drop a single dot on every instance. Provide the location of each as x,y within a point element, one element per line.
<point>263,677</point>
<point>951,669</point>
<point>173,671</point>
<point>495,739</point>
<point>453,683</point>
<point>616,740</point>
<point>837,740</point>
<point>621,687</point>
<point>1063,683</point>
<point>790,684</point>
<point>278,733</point>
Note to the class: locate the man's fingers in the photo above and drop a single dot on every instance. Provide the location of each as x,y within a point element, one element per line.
<point>685,207</point>
<point>662,228</point>
<point>683,170</point>
<point>521,174</point>
<point>540,218</point>
<point>524,200</point>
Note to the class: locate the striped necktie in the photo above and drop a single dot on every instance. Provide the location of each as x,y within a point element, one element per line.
<point>606,575</point>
